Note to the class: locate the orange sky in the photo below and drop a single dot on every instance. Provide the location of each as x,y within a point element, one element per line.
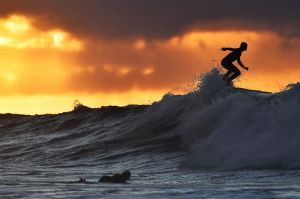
<point>45,70</point>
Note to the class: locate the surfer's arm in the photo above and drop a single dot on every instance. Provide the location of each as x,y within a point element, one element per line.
<point>231,49</point>
<point>241,64</point>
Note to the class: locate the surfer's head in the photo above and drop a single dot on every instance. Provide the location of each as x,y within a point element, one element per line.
<point>244,46</point>
<point>126,174</point>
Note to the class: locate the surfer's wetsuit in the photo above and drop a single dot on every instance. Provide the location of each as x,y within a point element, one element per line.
<point>231,57</point>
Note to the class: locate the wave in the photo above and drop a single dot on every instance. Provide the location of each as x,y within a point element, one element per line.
<point>214,127</point>
<point>243,129</point>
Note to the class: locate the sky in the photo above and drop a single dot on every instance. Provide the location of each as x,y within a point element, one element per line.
<point>117,52</point>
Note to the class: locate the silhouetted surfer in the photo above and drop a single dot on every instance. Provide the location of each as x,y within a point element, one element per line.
<point>235,55</point>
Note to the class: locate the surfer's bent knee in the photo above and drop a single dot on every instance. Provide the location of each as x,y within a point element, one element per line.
<point>237,72</point>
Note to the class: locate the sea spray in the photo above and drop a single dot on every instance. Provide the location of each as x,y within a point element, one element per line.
<point>242,131</point>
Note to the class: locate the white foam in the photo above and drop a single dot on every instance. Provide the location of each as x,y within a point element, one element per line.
<point>226,128</point>
<point>232,129</point>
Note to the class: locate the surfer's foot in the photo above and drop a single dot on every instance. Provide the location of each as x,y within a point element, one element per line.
<point>229,83</point>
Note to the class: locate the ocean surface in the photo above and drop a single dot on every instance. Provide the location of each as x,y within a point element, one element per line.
<point>214,142</point>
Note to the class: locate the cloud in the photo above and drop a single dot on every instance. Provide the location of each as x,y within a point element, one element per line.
<point>157,19</point>
<point>142,45</point>
<point>54,61</point>
<point>119,66</point>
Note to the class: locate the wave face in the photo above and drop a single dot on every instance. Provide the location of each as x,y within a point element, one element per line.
<point>215,127</point>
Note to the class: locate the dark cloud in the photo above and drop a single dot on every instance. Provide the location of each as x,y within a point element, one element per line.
<point>159,18</point>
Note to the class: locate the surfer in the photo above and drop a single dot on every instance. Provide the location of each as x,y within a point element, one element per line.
<point>235,55</point>
<point>116,178</point>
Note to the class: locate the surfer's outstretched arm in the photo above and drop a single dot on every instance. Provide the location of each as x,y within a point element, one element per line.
<point>241,64</point>
<point>231,49</point>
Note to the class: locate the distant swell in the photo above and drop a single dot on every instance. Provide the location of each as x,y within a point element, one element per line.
<point>215,127</point>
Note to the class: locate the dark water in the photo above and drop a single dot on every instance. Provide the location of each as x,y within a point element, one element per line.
<point>217,142</point>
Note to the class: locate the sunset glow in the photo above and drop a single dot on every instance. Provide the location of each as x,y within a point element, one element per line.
<point>18,32</point>
<point>45,70</point>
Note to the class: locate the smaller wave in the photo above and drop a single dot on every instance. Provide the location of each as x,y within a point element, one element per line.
<point>79,107</point>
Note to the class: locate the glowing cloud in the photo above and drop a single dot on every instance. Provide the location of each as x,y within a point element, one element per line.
<point>31,60</point>
<point>16,24</point>
<point>140,44</point>
<point>17,32</point>
<point>148,71</point>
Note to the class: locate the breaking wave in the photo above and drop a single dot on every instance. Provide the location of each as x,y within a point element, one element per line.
<point>215,127</point>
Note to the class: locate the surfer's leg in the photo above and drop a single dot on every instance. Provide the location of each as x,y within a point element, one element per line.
<point>227,66</point>
<point>225,77</point>
<point>236,73</point>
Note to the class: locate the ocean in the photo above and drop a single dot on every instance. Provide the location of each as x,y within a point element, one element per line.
<point>214,142</point>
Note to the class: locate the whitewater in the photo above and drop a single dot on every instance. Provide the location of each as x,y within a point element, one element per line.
<point>217,141</point>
